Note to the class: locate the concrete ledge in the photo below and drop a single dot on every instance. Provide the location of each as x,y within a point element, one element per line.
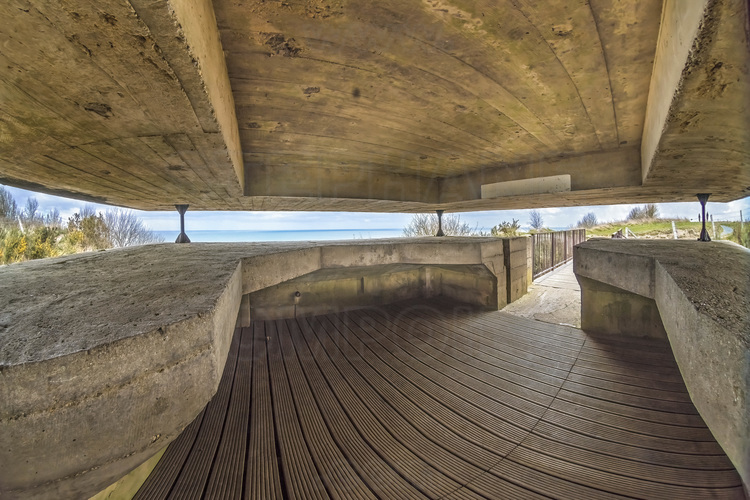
<point>106,356</point>
<point>701,292</point>
<point>339,289</point>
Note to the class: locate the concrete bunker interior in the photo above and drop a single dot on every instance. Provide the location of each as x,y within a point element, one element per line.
<point>344,105</point>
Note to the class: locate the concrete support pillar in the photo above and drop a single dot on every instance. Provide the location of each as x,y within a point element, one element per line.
<point>182,238</point>
<point>703,198</point>
<point>440,223</point>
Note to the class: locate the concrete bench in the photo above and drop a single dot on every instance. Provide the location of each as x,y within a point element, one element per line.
<point>695,294</point>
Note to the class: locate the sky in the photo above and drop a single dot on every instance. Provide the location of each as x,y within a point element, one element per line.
<point>556,218</point>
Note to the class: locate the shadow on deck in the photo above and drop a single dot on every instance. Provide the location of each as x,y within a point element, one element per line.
<point>439,400</point>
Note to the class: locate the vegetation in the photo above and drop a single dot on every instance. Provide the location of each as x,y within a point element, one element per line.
<point>506,229</point>
<point>647,211</point>
<point>28,234</point>
<point>427,225</point>
<point>535,220</point>
<point>588,221</point>
<point>662,229</point>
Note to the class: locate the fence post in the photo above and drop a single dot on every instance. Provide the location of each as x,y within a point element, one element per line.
<point>553,250</point>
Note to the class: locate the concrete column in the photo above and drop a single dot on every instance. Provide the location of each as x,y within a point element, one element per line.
<point>440,223</point>
<point>182,238</point>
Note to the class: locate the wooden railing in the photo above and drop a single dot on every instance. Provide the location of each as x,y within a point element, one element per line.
<point>551,250</point>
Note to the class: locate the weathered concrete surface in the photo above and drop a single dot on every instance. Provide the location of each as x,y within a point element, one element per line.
<point>339,289</point>
<point>610,310</point>
<point>248,105</point>
<point>702,293</point>
<point>106,356</point>
<point>516,255</point>
<point>553,298</point>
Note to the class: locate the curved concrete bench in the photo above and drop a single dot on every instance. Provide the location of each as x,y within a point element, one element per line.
<point>700,294</point>
<point>105,357</point>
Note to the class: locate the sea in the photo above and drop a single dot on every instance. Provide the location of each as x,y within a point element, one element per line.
<point>278,235</point>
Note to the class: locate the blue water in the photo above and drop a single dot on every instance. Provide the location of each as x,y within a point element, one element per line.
<point>298,235</point>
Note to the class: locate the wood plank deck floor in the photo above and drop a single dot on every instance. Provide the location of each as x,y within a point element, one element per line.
<point>438,400</point>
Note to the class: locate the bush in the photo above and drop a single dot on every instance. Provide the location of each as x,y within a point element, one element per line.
<point>506,229</point>
<point>13,245</point>
<point>647,211</point>
<point>125,229</point>
<point>588,221</point>
<point>535,220</point>
<point>8,207</point>
<point>427,225</point>
<point>94,234</point>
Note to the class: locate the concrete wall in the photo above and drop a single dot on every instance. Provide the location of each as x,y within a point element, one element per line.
<point>334,290</point>
<point>517,266</point>
<point>107,356</point>
<point>613,311</point>
<point>698,294</point>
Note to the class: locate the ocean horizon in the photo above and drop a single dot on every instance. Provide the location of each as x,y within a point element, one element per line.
<point>239,235</point>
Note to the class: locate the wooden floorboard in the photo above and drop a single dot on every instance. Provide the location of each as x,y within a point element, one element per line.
<point>434,399</point>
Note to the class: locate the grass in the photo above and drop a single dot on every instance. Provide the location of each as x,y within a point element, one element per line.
<point>662,229</point>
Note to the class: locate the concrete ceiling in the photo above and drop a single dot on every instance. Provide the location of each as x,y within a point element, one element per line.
<point>394,105</point>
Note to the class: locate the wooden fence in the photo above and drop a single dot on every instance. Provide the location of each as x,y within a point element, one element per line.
<point>551,250</point>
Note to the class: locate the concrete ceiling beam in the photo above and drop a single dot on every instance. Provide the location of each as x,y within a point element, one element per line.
<point>586,173</point>
<point>698,112</point>
<point>186,31</point>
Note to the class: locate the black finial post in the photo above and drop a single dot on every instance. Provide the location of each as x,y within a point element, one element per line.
<point>440,223</point>
<point>703,198</point>
<point>182,238</point>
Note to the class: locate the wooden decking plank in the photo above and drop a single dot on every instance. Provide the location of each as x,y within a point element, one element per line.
<point>301,474</point>
<point>475,407</point>
<point>396,374</point>
<point>634,424</point>
<point>660,473</point>
<point>374,468</point>
<point>685,408</point>
<point>341,479</point>
<point>435,399</point>
<point>620,368</point>
<point>419,472</point>
<point>456,390</point>
<point>160,481</point>
<point>630,390</point>
<point>542,341</point>
<point>499,352</point>
<point>262,478</point>
<point>597,429</point>
<point>648,383</point>
<point>191,482</point>
<point>613,482</point>
<point>550,332</point>
<point>405,399</point>
<point>491,486</point>
<point>400,429</point>
<point>526,400</point>
<point>227,475</point>
<point>630,451</point>
<point>623,409</point>
<point>628,364</point>
<point>550,485</point>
